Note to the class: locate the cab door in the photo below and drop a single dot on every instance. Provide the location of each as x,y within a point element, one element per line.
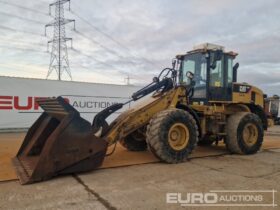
<point>220,80</point>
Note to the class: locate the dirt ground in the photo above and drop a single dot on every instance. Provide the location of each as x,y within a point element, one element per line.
<point>146,186</point>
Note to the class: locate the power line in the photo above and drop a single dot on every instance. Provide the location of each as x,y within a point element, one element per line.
<point>102,46</point>
<point>97,29</point>
<point>22,31</point>
<point>112,39</point>
<point>22,49</point>
<point>25,8</point>
<point>92,58</point>
<point>20,42</point>
<point>81,34</point>
<point>97,60</point>
<point>21,18</point>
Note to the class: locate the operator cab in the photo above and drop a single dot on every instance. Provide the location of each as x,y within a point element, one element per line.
<point>213,72</point>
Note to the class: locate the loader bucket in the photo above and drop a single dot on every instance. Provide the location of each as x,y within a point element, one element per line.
<point>59,142</point>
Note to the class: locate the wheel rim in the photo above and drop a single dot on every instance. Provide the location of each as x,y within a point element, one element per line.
<point>250,134</point>
<point>178,136</point>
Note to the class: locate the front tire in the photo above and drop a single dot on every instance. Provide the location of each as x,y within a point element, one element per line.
<point>172,135</point>
<point>244,133</point>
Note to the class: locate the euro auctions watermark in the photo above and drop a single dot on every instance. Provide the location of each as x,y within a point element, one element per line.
<point>248,198</point>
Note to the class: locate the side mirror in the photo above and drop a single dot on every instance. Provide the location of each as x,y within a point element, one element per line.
<point>234,70</point>
<point>216,56</point>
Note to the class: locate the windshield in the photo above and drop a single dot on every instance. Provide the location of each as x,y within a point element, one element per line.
<point>195,63</point>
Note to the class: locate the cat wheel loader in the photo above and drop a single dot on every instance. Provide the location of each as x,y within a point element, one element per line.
<point>197,101</point>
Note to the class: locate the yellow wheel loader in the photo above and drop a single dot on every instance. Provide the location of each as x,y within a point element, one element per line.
<point>197,101</point>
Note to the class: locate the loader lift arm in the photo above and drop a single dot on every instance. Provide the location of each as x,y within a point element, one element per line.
<point>99,124</point>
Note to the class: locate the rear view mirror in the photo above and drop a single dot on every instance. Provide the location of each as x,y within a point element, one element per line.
<point>216,56</point>
<point>189,75</point>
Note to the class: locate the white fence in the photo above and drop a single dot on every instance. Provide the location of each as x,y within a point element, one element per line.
<point>19,110</point>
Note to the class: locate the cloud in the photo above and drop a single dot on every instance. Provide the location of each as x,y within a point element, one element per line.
<point>138,38</point>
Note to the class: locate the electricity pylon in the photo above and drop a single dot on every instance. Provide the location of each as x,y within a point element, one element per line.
<point>59,55</point>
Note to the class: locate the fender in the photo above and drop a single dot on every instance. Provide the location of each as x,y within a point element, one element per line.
<point>258,110</point>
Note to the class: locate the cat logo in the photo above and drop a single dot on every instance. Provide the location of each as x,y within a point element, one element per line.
<point>242,88</point>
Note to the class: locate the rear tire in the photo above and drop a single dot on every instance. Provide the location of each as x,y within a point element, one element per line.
<point>136,141</point>
<point>244,133</point>
<point>172,135</point>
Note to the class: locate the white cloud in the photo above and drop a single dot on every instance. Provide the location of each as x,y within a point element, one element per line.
<point>154,31</point>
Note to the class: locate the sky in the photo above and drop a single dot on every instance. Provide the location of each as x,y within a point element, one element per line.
<point>115,39</point>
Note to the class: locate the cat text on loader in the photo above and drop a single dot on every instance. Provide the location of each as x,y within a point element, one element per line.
<point>197,101</point>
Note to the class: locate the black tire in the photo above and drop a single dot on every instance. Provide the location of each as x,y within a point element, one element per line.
<point>235,126</point>
<point>158,132</point>
<point>136,141</point>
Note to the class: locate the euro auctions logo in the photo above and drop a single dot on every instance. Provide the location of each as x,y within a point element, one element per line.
<point>247,198</point>
<point>84,104</point>
<point>20,103</point>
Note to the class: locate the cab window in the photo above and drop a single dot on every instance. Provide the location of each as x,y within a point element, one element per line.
<point>217,75</point>
<point>230,71</point>
<point>196,63</point>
